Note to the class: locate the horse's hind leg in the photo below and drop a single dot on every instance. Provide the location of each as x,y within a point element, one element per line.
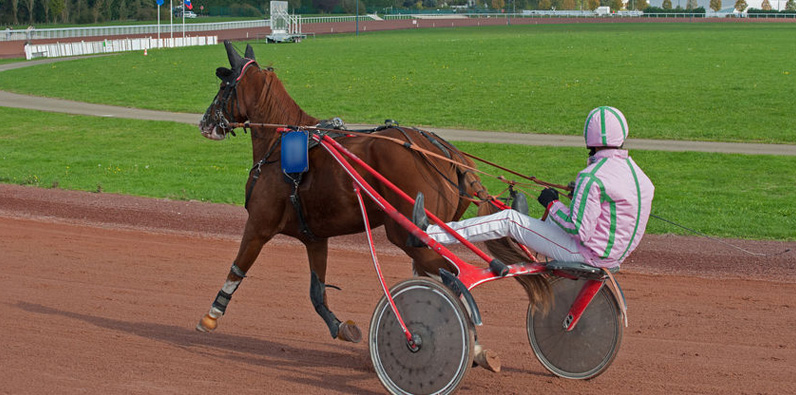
<point>250,248</point>
<point>317,252</point>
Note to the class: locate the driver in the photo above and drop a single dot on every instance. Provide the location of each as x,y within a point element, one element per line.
<point>606,217</point>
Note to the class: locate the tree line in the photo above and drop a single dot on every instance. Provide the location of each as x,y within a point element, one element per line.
<point>30,12</point>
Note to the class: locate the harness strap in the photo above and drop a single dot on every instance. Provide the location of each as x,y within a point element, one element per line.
<point>255,174</point>
<point>482,193</point>
<point>434,141</point>
<point>410,144</point>
<point>255,170</point>
<point>296,201</point>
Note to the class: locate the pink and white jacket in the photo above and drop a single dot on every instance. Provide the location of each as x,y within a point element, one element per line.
<point>609,209</point>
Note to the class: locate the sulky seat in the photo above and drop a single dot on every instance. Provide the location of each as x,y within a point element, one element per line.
<point>579,270</point>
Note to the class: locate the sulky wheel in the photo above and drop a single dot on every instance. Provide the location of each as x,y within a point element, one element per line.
<point>587,350</point>
<point>446,338</point>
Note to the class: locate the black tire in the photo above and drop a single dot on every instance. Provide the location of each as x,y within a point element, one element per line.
<point>433,313</point>
<point>586,351</point>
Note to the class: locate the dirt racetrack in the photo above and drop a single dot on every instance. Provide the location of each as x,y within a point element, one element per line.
<point>101,294</point>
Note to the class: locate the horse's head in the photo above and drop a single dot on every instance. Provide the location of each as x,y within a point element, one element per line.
<point>227,107</point>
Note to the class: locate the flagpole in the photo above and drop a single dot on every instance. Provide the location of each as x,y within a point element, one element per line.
<point>158,25</point>
<point>171,21</point>
<point>185,4</point>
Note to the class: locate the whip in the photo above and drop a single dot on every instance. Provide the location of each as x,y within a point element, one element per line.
<point>719,240</point>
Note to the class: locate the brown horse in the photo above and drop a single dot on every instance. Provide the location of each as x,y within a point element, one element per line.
<point>326,206</point>
<point>321,203</point>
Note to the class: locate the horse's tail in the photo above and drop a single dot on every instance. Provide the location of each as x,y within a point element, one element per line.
<point>536,286</point>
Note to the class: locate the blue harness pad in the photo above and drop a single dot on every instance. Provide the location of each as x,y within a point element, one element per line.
<point>294,151</point>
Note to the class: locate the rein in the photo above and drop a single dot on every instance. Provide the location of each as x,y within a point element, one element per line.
<point>530,178</point>
<point>228,95</point>
<point>411,146</point>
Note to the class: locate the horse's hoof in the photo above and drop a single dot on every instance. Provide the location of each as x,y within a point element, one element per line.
<point>349,331</point>
<point>486,359</point>
<point>207,324</point>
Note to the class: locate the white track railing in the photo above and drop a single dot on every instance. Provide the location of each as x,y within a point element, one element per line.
<point>107,46</point>
<point>167,30</point>
<point>332,19</point>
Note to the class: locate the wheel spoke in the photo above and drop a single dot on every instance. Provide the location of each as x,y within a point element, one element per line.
<point>433,314</point>
<point>590,347</point>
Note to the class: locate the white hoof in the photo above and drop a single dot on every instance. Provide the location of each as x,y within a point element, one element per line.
<point>207,324</point>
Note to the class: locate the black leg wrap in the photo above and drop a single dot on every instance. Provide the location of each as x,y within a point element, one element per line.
<point>317,290</point>
<point>222,299</point>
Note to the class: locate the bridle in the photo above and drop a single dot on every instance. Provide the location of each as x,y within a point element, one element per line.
<point>227,98</point>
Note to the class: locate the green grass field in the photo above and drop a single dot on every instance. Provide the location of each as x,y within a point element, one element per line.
<point>721,82</point>
<point>524,79</point>
<point>723,195</point>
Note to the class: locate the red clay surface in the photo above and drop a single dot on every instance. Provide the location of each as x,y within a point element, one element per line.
<point>101,294</point>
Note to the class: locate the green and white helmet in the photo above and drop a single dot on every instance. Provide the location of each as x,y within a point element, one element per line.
<point>605,127</point>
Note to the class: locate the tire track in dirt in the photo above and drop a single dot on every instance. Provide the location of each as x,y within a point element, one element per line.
<point>101,294</point>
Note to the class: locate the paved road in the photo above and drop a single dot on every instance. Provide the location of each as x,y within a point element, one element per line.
<point>8,99</point>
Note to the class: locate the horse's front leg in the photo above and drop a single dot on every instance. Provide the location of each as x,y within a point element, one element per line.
<point>250,247</point>
<point>317,252</point>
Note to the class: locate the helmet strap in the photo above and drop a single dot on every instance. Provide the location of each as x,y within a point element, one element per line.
<point>593,150</point>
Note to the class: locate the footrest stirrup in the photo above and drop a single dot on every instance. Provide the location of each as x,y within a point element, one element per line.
<point>498,267</point>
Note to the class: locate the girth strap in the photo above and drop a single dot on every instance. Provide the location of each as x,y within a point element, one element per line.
<point>296,201</point>
<point>255,172</point>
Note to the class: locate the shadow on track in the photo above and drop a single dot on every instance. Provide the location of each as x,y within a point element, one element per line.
<point>240,349</point>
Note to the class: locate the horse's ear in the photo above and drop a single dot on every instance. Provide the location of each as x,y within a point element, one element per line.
<point>234,58</point>
<point>249,54</point>
<point>223,73</point>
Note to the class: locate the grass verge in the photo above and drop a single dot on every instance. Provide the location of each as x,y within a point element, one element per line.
<point>701,81</point>
<point>723,195</point>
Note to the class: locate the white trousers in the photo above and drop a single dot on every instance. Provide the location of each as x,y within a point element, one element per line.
<point>543,237</point>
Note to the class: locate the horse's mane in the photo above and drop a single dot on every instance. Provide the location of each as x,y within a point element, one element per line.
<point>275,101</point>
